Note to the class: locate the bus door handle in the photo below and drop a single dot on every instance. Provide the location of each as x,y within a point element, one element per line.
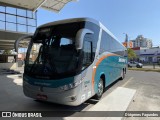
<point>97,57</point>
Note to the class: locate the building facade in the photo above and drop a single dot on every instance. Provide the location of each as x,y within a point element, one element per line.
<point>140,41</point>
<point>147,55</point>
<point>14,23</point>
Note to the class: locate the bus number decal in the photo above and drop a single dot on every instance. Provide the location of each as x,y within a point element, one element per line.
<point>89,94</point>
<point>83,97</point>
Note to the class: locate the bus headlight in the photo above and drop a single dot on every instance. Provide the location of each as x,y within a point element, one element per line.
<point>70,86</point>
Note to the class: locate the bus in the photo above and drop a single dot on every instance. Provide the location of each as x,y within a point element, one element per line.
<point>70,61</point>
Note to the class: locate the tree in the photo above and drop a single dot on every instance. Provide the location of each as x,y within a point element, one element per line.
<point>131,54</point>
<point>7,52</point>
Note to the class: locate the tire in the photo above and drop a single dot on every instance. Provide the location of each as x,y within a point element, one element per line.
<point>122,75</point>
<point>100,90</point>
<point>129,66</point>
<point>125,71</point>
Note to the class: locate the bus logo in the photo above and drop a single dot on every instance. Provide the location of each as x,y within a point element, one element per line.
<point>122,60</point>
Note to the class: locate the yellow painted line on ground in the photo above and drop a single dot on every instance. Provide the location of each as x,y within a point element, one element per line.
<point>127,82</point>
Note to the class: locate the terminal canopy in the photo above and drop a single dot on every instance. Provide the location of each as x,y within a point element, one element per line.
<point>7,37</point>
<point>33,5</point>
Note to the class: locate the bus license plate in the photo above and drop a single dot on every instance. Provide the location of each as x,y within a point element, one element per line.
<point>42,97</point>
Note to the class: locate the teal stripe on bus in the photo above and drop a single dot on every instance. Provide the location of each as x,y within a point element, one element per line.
<point>110,67</point>
<point>48,83</point>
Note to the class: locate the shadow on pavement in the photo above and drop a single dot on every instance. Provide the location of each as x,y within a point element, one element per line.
<point>13,99</point>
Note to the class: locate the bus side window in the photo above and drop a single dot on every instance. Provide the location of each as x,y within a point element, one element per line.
<point>87,51</point>
<point>105,44</point>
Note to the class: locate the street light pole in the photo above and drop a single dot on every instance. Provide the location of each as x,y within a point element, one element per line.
<point>126,40</point>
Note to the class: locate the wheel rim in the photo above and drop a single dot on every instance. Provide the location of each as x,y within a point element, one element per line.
<point>100,88</point>
<point>122,74</point>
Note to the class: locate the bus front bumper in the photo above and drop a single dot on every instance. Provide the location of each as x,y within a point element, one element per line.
<point>70,97</point>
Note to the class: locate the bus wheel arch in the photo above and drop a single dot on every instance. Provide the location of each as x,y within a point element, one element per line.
<point>101,86</point>
<point>103,79</point>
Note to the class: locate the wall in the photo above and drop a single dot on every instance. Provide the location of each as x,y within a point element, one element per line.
<point>150,55</point>
<point>8,66</point>
<point>153,51</point>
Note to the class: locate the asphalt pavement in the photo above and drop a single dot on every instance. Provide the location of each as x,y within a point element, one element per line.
<point>146,98</point>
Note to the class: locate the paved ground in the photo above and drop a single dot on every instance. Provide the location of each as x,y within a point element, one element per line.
<point>147,97</point>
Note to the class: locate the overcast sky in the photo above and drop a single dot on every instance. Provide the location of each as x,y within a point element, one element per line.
<point>134,17</point>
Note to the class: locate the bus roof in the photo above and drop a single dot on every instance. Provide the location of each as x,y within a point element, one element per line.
<point>71,20</point>
<point>78,20</point>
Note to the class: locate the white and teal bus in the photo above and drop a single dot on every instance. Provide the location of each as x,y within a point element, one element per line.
<point>70,61</point>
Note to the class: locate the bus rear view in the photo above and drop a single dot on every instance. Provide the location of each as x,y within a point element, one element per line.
<point>60,62</point>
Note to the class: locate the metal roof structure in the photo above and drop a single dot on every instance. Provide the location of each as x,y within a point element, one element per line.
<point>15,23</point>
<point>33,5</point>
<point>7,37</point>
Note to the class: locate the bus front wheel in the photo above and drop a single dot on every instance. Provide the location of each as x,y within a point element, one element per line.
<point>100,90</point>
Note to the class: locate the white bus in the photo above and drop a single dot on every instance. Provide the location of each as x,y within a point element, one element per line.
<point>70,61</point>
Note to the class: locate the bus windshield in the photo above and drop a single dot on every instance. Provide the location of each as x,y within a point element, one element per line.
<point>52,53</point>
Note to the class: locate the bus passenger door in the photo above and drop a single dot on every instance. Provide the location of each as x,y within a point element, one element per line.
<point>87,65</point>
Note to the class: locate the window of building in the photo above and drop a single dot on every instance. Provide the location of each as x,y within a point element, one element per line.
<point>10,10</point>
<point>15,19</point>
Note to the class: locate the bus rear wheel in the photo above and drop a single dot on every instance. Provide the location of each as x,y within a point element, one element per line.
<point>122,74</point>
<point>100,90</point>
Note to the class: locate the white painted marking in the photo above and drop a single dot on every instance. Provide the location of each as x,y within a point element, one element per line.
<point>127,82</point>
<point>118,100</point>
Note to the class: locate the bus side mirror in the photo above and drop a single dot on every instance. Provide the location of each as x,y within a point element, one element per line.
<point>80,37</point>
<point>23,38</point>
